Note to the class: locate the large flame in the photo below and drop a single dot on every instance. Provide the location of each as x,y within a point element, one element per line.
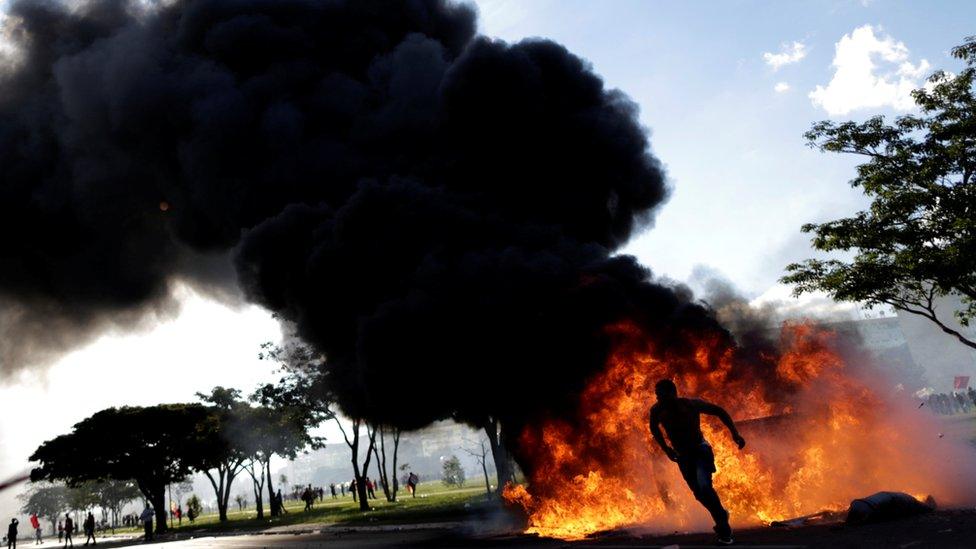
<point>817,436</point>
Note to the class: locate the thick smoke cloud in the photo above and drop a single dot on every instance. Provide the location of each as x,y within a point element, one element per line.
<point>435,211</point>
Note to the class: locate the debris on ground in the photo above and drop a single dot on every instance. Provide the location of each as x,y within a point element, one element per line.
<point>885,506</point>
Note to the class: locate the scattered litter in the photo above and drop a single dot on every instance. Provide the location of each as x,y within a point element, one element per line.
<point>814,518</point>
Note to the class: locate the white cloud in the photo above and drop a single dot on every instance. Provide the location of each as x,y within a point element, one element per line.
<point>789,54</point>
<point>781,87</point>
<point>870,71</point>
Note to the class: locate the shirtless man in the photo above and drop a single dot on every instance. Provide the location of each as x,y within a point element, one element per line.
<point>681,418</point>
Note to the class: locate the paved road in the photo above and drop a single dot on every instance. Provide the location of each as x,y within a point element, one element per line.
<point>942,529</point>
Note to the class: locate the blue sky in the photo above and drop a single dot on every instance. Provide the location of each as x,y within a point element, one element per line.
<point>744,180</point>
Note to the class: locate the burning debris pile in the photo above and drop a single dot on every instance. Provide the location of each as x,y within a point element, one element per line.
<point>818,435</point>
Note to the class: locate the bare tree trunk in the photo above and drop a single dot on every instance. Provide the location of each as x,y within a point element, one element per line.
<point>396,448</point>
<point>361,483</point>
<point>258,487</point>
<point>499,454</point>
<point>484,467</point>
<point>380,453</point>
<point>271,494</point>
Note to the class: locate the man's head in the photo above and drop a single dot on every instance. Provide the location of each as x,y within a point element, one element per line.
<point>666,391</point>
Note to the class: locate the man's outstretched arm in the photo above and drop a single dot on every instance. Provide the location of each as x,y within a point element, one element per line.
<point>719,412</point>
<point>659,436</point>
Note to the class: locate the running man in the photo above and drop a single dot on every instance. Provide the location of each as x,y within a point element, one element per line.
<point>681,419</point>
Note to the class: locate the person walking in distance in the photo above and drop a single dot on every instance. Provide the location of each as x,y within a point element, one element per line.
<point>36,525</point>
<point>12,534</point>
<point>147,522</point>
<point>681,419</point>
<point>69,529</point>
<point>412,480</point>
<point>89,525</point>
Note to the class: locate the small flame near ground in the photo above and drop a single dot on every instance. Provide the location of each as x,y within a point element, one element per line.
<point>819,436</point>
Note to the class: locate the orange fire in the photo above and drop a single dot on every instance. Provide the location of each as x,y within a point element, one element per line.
<point>817,437</point>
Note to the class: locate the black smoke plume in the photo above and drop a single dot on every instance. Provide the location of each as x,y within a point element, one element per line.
<point>436,211</point>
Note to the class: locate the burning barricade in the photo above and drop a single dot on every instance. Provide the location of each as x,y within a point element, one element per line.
<point>819,436</point>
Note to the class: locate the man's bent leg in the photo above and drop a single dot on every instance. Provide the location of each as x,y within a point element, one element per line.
<point>697,472</point>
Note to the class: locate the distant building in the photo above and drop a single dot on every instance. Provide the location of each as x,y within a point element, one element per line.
<point>884,340</point>
<point>421,450</point>
<point>941,356</point>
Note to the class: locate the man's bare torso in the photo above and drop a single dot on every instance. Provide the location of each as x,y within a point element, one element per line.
<point>681,421</point>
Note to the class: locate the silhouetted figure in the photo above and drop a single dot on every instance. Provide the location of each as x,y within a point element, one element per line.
<point>333,490</point>
<point>308,496</point>
<point>352,488</point>
<point>369,489</point>
<point>89,525</point>
<point>12,533</point>
<point>147,522</point>
<point>69,530</point>
<point>280,501</point>
<point>342,488</point>
<point>412,480</point>
<point>681,419</point>
<point>60,531</point>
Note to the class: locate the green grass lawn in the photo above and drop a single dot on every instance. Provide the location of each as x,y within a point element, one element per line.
<point>435,502</point>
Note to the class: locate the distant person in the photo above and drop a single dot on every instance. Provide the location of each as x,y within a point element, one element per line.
<point>308,497</point>
<point>69,530</point>
<point>281,504</point>
<point>60,531</point>
<point>36,525</point>
<point>369,489</point>
<point>147,522</point>
<point>352,488</point>
<point>412,481</point>
<point>333,490</point>
<point>12,533</point>
<point>89,525</point>
<point>342,488</point>
<point>681,419</point>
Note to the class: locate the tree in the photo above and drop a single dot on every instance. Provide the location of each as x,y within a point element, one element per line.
<point>46,500</point>
<point>193,507</point>
<point>180,489</point>
<point>226,450</point>
<point>112,495</point>
<point>390,488</point>
<point>499,453</point>
<point>479,452</point>
<point>241,501</point>
<point>296,404</point>
<point>452,474</point>
<point>154,446</point>
<point>915,242</point>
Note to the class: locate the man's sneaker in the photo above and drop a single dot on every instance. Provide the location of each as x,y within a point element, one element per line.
<point>724,535</point>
